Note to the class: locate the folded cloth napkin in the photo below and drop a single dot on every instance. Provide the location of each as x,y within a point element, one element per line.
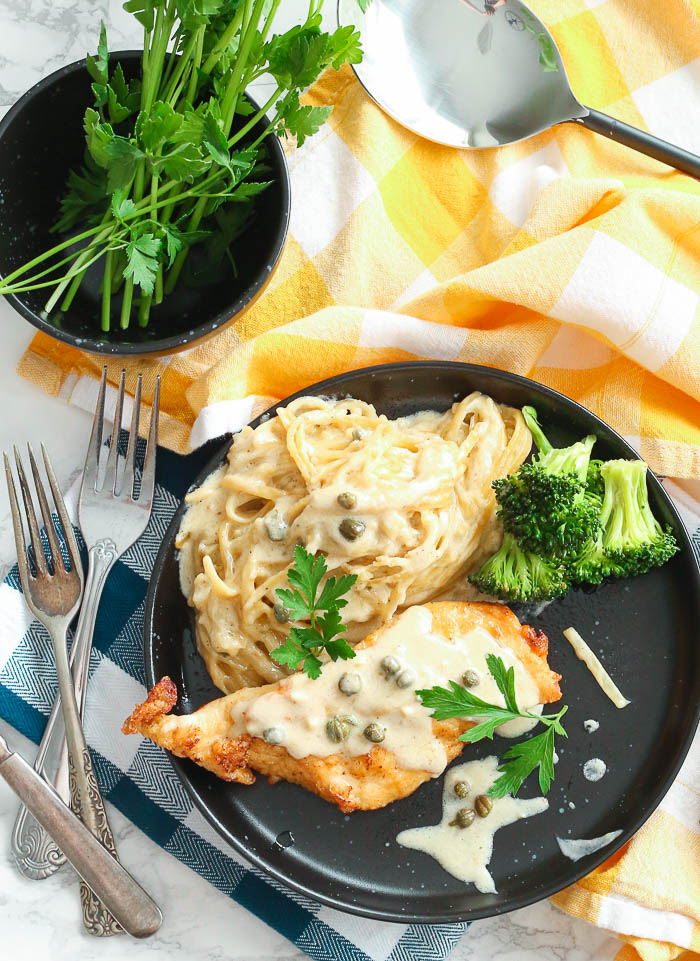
<point>566,258</point>
<point>138,777</point>
<point>648,892</point>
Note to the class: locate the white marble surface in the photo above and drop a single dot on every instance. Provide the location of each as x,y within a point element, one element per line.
<point>40,920</point>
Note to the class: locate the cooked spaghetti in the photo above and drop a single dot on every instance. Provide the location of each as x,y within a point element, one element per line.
<point>405,504</point>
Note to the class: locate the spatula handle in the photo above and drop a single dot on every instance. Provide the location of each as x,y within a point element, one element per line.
<point>642,141</point>
<point>123,897</point>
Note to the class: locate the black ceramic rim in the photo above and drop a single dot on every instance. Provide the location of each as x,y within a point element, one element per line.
<point>341,385</point>
<point>163,344</point>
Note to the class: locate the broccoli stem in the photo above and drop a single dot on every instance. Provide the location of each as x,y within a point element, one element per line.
<point>541,442</point>
<point>569,460</point>
<point>626,516</point>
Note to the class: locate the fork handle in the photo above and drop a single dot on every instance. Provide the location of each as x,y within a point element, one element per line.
<point>86,800</point>
<point>36,854</point>
<point>138,912</point>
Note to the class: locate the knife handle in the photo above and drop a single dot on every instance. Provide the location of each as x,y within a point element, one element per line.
<point>121,894</point>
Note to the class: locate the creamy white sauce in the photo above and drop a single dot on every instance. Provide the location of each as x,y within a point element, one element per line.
<point>520,725</point>
<point>302,707</point>
<point>466,852</point>
<point>577,848</point>
<point>591,725</point>
<point>594,769</point>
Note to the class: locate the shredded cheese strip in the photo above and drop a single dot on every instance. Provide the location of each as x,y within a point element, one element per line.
<point>417,488</point>
<point>585,654</point>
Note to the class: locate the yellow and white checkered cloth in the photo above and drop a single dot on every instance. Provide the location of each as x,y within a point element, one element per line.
<point>566,258</point>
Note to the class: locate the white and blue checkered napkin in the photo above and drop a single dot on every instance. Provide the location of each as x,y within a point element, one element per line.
<point>137,776</point>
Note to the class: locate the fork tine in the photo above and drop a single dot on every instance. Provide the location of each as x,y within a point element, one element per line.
<point>148,478</point>
<point>68,532</point>
<point>129,467</point>
<point>20,542</point>
<point>37,546</point>
<point>49,525</point>
<point>113,459</point>
<point>92,458</point>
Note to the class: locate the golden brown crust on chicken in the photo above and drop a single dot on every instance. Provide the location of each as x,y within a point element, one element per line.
<point>364,782</point>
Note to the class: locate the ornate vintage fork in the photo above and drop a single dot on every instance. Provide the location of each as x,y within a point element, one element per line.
<point>53,593</point>
<point>111,509</point>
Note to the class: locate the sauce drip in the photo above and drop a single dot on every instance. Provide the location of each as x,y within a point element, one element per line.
<point>466,852</point>
<point>300,708</point>
<point>577,848</point>
<point>594,769</point>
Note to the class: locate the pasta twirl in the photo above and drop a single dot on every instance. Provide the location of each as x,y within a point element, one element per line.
<point>419,485</point>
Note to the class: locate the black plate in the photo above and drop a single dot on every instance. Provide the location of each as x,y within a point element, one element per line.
<point>644,630</point>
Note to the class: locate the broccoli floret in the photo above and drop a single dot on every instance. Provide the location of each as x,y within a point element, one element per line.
<point>545,504</point>
<point>592,565</point>
<point>517,575</point>
<point>630,540</point>
<point>559,460</point>
<point>632,537</point>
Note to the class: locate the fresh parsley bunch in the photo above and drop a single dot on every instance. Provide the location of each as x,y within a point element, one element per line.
<point>170,159</point>
<point>518,761</point>
<point>322,610</point>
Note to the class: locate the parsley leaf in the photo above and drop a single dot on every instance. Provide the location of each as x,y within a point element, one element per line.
<point>303,601</point>
<point>154,128</point>
<point>122,160</point>
<point>142,261</point>
<point>520,760</point>
<point>301,122</point>
<point>98,66</point>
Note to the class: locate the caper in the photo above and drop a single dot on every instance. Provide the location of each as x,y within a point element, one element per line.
<point>389,665</point>
<point>406,678</point>
<point>275,525</point>
<point>350,683</point>
<point>471,678</point>
<point>347,500</point>
<point>463,818</point>
<point>273,735</point>
<point>374,732</point>
<point>340,726</point>
<point>483,805</point>
<point>281,612</point>
<point>462,788</point>
<point>358,433</point>
<point>351,528</point>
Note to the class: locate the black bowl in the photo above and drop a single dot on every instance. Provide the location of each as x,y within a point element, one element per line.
<point>41,139</point>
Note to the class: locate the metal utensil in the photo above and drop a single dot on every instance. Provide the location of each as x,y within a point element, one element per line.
<point>125,899</point>
<point>435,69</point>
<point>35,852</point>
<point>53,593</point>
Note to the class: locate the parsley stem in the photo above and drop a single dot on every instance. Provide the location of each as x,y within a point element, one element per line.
<point>183,62</point>
<point>107,291</point>
<point>223,42</point>
<point>194,68</point>
<point>228,107</point>
<point>73,289</point>
<point>254,119</point>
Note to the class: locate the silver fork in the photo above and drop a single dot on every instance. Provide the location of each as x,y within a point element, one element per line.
<point>53,594</point>
<point>100,511</point>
